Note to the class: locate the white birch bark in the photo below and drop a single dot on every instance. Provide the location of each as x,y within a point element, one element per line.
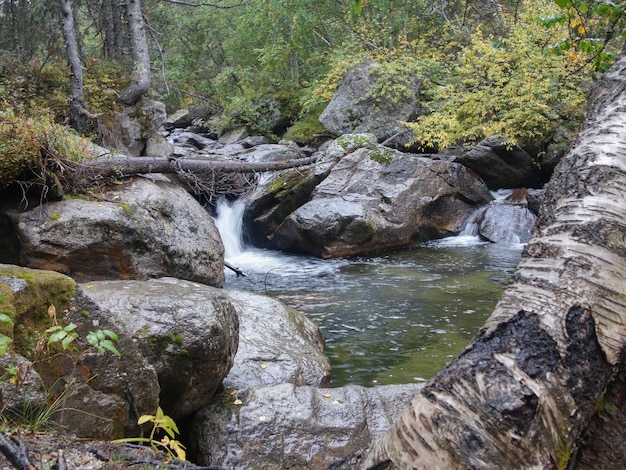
<point>521,394</point>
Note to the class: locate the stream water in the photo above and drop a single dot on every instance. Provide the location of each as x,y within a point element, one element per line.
<point>394,318</point>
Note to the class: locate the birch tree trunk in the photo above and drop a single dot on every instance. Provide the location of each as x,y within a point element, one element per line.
<point>523,392</point>
<point>141,76</point>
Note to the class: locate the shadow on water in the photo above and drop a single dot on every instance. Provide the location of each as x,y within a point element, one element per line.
<point>394,318</point>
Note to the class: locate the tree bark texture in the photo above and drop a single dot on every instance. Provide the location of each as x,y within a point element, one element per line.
<point>142,75</point>
<point>79,119</point>
<point>525,389</point>
<point>117,166</point>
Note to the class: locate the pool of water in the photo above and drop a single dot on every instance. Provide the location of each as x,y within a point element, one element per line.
<point>394,318</point>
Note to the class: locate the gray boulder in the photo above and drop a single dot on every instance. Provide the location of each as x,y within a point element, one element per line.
<point>130,129</point>
<point>376,198</point>
<point>145,229</point>
<point>285,426</point>
<point>355,109</point>
<point>157,146</point>
<point>186,333</point>
<point>497,163</point>
<point>276,345</point>
<point>510,220</point>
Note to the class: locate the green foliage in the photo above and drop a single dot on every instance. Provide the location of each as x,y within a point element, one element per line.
<point>102,340</point>
<point>508,86</point>
<point>5,340</point>
<point>61,334</point>
<point>161,424</point>
<point>594,28</point>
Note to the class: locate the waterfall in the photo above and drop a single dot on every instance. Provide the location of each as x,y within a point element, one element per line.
<point>229,222</point>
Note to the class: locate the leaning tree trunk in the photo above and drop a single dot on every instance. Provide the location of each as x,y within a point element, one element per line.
<point>80,119</point>
<point>522,393</point>
<point>141,76</point>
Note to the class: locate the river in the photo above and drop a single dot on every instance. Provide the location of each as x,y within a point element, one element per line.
<point>398,317</point>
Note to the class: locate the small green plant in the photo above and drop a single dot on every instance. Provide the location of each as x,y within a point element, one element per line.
<point>101,340</point>
<point>5,341</point>
<point>161,423</point>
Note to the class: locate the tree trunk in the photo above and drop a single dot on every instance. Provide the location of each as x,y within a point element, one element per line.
<point>17,45</point>
<point>141,76</point>
<point>113,166</point>
<point>79,117</point>
<point>523,392</point>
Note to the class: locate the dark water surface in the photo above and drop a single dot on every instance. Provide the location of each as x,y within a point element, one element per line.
<point>394,318</point>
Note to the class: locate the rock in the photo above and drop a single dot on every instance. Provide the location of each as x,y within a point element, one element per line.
<point>183,118</point>
<point>191,140</point>
<point>254,140</point>
<point>157,146</point>
<point>145,229</point>
<point>276,345</point>
<point>497,163</point>
<point>186,331</point>
<point>285,426</point>
<point>31,392</point>
<point>354,110</point>
<point>236,135</point>
<point>375,198</point>
<point>506,222</point>
<point>27,294</point>
<point>55,384</point>
<point>131,128</point>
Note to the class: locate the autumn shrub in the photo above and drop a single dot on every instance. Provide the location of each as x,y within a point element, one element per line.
<point>28,141</point>
<point>510,86</point>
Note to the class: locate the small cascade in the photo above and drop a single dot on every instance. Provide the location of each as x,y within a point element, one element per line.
<point>229,222</point>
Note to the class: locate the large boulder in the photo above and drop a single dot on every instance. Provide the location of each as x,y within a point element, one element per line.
<point>49,383</point>
<point>146,228</point>
<point>277,345</point>
<point>187,332</point>
<point>375,198</point>
<point>498,163</point>
<point>355,107</point>
<point>129,130</point>
<point>285,426</point>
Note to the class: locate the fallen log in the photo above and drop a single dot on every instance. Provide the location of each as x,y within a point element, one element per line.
<point>122,165</point>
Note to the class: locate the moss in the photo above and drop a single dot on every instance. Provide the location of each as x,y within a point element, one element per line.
<point>6,308</point>
<point>55,216</point>
<point>127,208</point>
<point>30,304</point>
<point>563,452</point>
<point>223,400</point>
<point>382,155</point>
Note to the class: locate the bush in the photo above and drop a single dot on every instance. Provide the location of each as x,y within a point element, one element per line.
<point>510,86</point>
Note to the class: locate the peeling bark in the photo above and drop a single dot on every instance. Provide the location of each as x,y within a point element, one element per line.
<point>523,392</point>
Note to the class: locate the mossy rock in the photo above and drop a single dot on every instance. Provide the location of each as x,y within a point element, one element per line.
<point>27,295</point>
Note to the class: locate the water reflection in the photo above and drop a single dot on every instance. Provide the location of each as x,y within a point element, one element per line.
<point>395,318</point>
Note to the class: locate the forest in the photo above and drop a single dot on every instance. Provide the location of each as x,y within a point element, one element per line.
<point>519,69</point>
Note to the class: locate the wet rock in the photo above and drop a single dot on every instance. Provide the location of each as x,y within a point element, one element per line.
<point>187,332</point>
<point>131,128</point>
<point>157,146</point>
<point>354,109</point>
<point>373,198</point>
<point>285,426</point>
<point>505,222</point>
<point>145,229</point>
<point>277,345</point>
<point>499,164</point>
<point>31,389</point>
